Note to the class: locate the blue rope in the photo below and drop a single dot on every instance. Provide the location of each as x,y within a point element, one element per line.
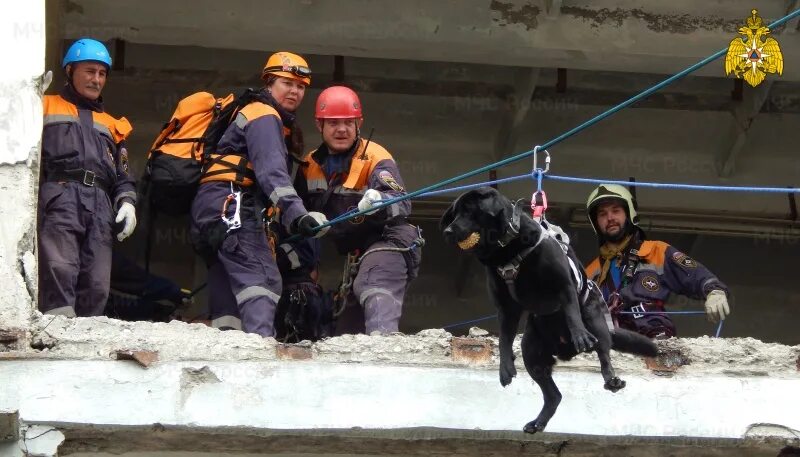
<point>563,136</point>
<point>480,319</point>
<point>475,186</point>
<point>537,173</point>
<point>485,318</point>
<point>781,190</point>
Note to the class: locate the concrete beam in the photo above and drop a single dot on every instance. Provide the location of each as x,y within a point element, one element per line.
<point>744,114</point>
<point>165,87</point>
<point>515,111</point>
<point>418,441</point>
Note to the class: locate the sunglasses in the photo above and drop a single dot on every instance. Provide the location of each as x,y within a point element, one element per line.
<point>297,70</point>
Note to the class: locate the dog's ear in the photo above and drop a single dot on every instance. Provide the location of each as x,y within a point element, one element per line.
<point>448,217</point>
<point>493,202</point>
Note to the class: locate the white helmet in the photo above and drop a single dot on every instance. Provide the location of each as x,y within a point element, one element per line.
<point>608,192</point>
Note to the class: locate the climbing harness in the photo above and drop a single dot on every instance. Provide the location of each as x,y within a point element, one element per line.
<point>353,262</point>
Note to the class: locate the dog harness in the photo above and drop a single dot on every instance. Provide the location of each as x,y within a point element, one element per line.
<point>509,271</point>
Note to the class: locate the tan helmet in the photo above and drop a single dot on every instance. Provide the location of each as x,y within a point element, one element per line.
<point>607,192</point>
<point>287,65</point>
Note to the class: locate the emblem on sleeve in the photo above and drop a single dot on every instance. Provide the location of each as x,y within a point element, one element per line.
<point>650,283</point>
<point>389,180</point>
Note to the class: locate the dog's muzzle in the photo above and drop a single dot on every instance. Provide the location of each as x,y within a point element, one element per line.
<point>470,241</point>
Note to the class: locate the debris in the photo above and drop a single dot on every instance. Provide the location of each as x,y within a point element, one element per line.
<point>143,358</point>
<point>293,352</point>
<point>471,350</point>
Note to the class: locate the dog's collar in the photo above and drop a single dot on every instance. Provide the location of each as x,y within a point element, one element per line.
<point>510,270</point>
<point>513,228</point>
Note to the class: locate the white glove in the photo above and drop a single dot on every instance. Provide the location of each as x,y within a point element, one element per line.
<point>321,219</point>
<point>717,306</point>
<point>127,213</point>
<point>371,196</point>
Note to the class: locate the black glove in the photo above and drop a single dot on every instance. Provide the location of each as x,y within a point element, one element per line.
<point>304,225</point>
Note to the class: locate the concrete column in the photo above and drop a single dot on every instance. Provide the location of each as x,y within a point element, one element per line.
<point>22,30</point>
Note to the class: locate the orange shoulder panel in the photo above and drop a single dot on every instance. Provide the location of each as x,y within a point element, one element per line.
<point>258,109</point>
<point>376,153</point>
<point>119,128</point>
<point>55,105</point>
<point>653,252</point>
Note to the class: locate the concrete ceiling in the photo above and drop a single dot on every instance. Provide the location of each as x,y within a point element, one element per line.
<point>641,36</point>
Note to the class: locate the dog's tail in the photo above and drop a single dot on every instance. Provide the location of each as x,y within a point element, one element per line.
<point>633,343</point>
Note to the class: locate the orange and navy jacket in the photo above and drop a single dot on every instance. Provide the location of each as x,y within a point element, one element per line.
<point>254,146</point>
<point>661,269</point>
<point>373,168</point>
<point>79,134</point>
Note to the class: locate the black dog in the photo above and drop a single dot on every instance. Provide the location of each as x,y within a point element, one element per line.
<point>528,270</point>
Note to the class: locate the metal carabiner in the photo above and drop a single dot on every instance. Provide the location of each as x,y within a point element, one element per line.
<point>234,222</point>
<point>536,168</point>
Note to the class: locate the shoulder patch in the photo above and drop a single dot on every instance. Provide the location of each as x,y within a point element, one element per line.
<point>123,159</point>
<point>387,178</point>
<point>683,260</point>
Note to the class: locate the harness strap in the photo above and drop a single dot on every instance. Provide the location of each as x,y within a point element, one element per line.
<point>510,271</point>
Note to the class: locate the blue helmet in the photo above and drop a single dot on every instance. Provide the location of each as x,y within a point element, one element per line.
<point>87,49</point>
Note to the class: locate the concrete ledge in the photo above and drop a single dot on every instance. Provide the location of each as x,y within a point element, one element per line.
<point>312,395</point>
<point>90,440</point>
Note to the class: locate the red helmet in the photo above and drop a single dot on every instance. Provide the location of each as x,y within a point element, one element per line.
<point>338,102</point>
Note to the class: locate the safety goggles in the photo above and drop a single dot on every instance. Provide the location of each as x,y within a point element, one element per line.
<point>297,70</point>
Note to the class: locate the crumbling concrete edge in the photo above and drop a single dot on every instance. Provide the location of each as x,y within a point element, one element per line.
<point>101,338</point>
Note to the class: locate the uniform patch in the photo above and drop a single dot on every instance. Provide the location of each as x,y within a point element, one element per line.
<point>683,260</point>
<point>650,283</point>
<point>358,219</point>
<point>389,180</point>
<point>123,159</point>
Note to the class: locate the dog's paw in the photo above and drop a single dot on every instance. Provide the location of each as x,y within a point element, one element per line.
<point>614,384</point>
<point>507,373</point>
<point>533,427</point>
<point>583,340</point>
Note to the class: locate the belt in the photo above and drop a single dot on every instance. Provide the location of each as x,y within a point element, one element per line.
<point>82,176</point>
